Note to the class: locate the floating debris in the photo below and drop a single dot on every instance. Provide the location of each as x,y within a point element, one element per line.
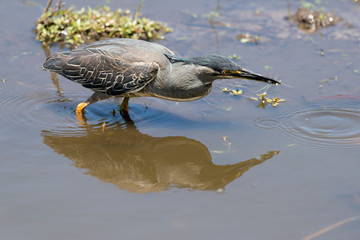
<point>3,83</point>
<point>233,92</point>
<point>73,27</point>
<point>234,56</point>
<point>267,67</point>
<point>310,20</point>
<point>247,38</point>
<point>322,52</point>
<point>329,79</point>
<point>236,92</point>
<point>264,100</point>
<point>220,190</point>
<point>275,101</point>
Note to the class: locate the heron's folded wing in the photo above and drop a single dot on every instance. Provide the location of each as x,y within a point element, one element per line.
<point>102,71</point>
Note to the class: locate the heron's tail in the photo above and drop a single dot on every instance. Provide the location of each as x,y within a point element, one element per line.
<point>55,62</point>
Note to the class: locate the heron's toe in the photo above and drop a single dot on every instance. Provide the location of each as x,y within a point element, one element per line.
<point>80,112</point>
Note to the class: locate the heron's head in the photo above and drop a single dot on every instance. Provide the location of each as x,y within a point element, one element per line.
<point>217,66</point>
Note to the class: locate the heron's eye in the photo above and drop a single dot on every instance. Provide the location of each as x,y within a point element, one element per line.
<point>225,72</point>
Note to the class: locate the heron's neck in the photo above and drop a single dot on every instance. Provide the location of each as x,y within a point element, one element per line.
<point>180,82</point>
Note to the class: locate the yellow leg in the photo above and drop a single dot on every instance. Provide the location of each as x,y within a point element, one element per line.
<point>125,104</point>
<point>80,111</point>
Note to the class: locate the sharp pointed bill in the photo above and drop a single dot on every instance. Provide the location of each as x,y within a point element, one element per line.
<point>246,74</point>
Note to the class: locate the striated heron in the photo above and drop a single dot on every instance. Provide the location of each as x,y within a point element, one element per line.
<point>136,68</point>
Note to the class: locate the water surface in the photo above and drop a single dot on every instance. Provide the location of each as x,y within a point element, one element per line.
<point>218,167</point>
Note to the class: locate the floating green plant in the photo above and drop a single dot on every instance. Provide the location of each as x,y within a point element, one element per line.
<point>73,27</point>
<point>310,19</point>
<point>264,100</point>
<point>232,92</point>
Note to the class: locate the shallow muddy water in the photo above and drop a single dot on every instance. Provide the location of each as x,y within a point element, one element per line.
<point>216,168</point>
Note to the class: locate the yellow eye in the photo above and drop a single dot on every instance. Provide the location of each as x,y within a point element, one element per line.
<point>225,72</point>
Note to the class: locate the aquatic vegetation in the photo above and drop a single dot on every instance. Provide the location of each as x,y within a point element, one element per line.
<point>261,98</point>
<point>311,20</point>
<point>247,38</point>
<point>232,92</point>
<point>215,18</point>
<point>73,27</point>
<point>234,56</point>
<point>329,79</point>
<point>264,100</point>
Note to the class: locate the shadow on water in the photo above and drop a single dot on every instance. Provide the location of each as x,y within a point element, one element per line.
<point>140,163</point>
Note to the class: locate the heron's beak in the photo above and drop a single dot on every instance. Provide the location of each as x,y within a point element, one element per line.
<point>252,76</point>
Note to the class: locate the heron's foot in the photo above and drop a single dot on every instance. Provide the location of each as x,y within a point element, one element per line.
<point>80,111</point>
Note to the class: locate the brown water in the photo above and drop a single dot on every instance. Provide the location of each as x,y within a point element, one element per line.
<point>216,168</point>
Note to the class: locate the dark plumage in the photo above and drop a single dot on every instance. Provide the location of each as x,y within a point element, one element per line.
<point>101,70</point>
<point>135,68</point>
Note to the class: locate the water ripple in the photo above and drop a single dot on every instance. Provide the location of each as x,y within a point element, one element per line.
<point>324,124</point>
<point>37,108</point>
<point>51,110</point>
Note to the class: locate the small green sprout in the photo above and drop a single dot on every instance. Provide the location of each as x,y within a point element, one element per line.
<point>232,92</point>
<point>236,92</point>
<point>234,56</point>
<point>275,101</point>
<point>227,108</point>
<point>264,100</point>
<point>226,90</point>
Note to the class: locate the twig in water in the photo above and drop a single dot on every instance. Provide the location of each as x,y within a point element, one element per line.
<point>329,228</point>
<point>53,10</point>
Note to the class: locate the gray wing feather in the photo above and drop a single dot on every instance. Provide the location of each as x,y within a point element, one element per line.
<point>103,71</point>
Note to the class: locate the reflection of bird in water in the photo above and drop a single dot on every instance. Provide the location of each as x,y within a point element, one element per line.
<point>141,163</point>
<point>135,68</point>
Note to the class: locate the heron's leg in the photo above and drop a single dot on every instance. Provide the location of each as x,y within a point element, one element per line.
<point>129,122</point>
<point>97,96</point>
<point>124,104</point>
